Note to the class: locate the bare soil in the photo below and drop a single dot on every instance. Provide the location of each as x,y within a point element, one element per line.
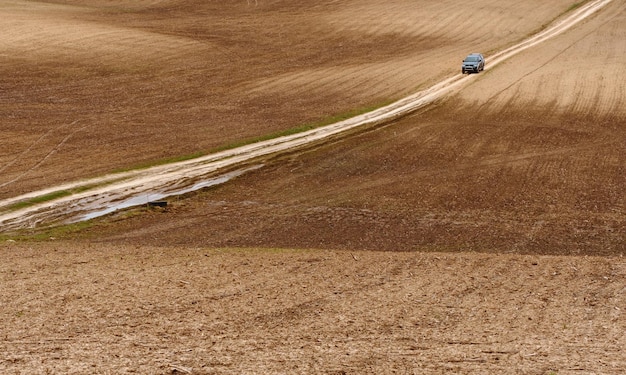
<point>153,310</point>
<point>92,87</point>
<point>483,235</point>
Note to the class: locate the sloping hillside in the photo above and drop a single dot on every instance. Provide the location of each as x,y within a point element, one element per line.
<point>500,167</point>
<point>91,87</point>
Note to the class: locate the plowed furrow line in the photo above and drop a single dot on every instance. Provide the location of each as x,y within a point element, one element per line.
<point>384,81</point>
<point>464,28</point>
<point>320,81</point>
<point>331,80</point>
<point>615,101</point>
<point>381,79</point>
<point>367,77</point>
<point>300,81</point>
<point>582,94</point>
<point>445,24</point>
<point>598,95</point>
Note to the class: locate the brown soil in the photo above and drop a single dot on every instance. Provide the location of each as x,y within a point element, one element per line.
<point>492,169</point>
<point>106,309</point>
<point>506,199</point>
<point>90,87</point>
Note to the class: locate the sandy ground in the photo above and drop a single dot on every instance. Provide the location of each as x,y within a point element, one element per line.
<point>506,199</point>
<point>78,308</point>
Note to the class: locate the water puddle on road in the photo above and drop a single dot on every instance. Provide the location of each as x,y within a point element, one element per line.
<point>145,198</point>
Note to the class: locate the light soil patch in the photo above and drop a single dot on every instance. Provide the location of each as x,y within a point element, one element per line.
<point>83,308</point>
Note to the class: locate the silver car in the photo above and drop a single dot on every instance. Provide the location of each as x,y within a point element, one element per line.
<point>473,63</point>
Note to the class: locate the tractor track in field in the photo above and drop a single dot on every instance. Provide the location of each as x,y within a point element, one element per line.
<point>87,198</point>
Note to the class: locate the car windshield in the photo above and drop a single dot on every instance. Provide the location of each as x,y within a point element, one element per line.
<point>471,58</point>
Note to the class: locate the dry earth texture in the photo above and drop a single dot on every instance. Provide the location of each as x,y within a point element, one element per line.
<point>102,309</point>
<point>506,199</point>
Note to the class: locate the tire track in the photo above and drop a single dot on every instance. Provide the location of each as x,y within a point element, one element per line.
<point>124,185</point>
<point>53,151</point>
<point>23,154</point>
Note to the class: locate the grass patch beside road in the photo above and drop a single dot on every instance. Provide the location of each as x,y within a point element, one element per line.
<point>45,234</point>
<point>40,199</point>
<point>303,128</point>
<point>575,6</point>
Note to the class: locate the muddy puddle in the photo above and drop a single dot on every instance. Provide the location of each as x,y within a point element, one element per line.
<point>91,206</point>
<point>146,198</point>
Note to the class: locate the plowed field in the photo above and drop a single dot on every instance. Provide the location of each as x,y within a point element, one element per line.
<point>484,234</point>
<point>496,168</point>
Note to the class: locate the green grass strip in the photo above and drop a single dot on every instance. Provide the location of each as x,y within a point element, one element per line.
<point>149,164</point>
<point>575,6</point>
<point>45,234</point>
<point>40,199</point>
